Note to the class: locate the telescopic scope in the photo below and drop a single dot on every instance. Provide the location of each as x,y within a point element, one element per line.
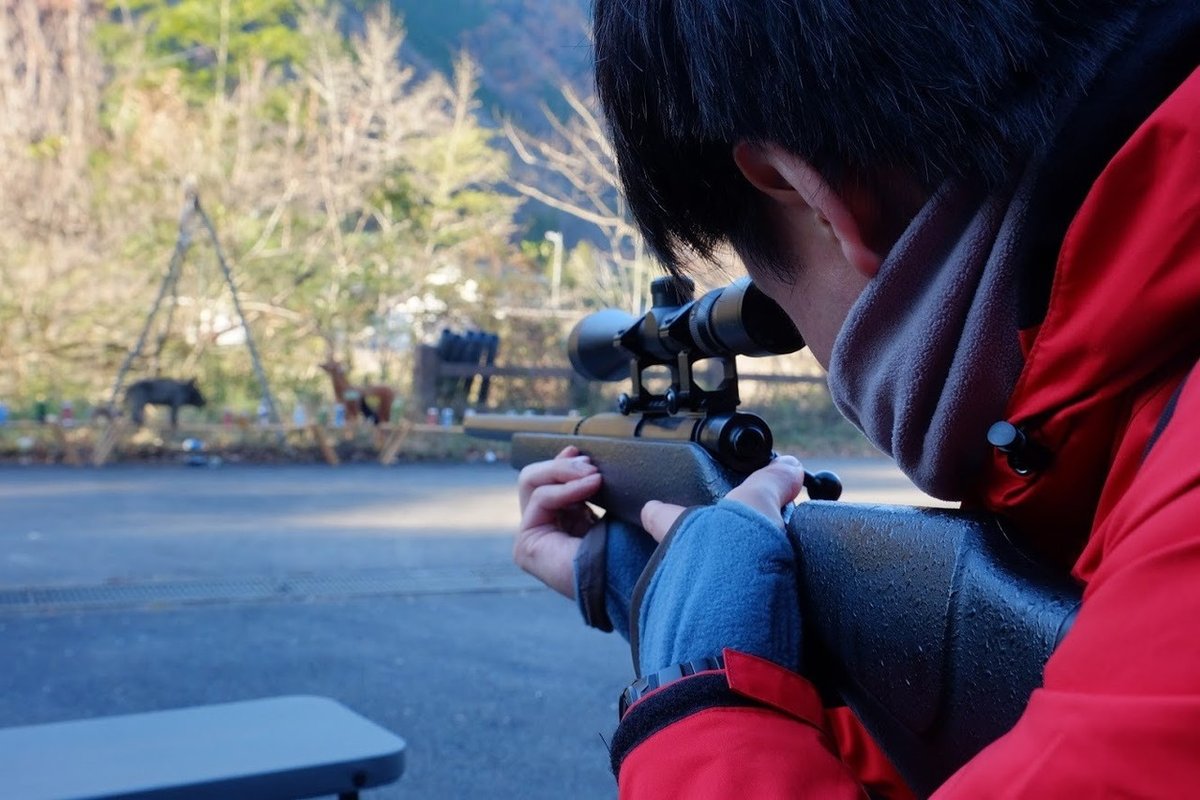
<point>734,320</point>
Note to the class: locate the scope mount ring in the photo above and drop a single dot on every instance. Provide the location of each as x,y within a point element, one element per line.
<point>684,393</point>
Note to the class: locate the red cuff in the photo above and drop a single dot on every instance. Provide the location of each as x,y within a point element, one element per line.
<point>774,686</point>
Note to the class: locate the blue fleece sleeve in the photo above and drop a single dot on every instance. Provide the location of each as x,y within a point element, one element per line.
<point>610,561</point>
<point>726,577</point>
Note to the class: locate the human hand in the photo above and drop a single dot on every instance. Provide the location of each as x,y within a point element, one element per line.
<point>554,517</point>
<point>766,491</point>
<point>723,576</point>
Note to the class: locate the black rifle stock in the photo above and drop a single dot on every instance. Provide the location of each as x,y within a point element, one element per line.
<point>933,625</point>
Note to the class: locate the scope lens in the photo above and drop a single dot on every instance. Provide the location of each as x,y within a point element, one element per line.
<point>740,320</point>
<point>592,348</point>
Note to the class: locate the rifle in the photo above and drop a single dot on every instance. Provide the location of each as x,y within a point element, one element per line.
<point>932,625</point>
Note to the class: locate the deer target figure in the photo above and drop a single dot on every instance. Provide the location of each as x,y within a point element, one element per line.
<point>355,398</point>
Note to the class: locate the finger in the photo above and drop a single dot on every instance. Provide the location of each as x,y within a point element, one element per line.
<point>576,520</point>
<point>549,556</point>
<point>771,488</point>
<point>657,518</point>
<point>562,469</point>
<point>547,500</point>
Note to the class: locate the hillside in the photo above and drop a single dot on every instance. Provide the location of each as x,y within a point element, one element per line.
<point>527,48</point>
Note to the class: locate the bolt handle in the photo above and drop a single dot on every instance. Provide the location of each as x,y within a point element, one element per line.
<point>823,485</point>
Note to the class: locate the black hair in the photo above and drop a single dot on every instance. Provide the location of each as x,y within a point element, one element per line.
<point>858,88</point>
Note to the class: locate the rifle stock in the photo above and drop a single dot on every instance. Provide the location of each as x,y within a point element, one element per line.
<point>664,465</point>
<point>931,624</point>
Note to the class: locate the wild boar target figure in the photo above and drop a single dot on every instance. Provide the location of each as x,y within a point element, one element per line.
<point>162,392</point>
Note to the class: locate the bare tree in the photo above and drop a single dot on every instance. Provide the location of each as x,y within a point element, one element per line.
<point>50,82</point>
<point>580,168</point>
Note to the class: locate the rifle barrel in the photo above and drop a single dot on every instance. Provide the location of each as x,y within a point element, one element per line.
<point>502,427</point>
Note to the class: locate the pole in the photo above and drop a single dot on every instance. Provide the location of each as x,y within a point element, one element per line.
<point>556,238</point>
<point>182,243</point>
<point>237,306</point>
<point>639,275</point>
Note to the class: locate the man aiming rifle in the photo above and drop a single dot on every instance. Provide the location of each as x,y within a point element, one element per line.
<point>974,213</point>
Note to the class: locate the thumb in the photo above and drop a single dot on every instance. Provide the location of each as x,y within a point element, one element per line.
<point>657,518</point>
<point>771,488</point>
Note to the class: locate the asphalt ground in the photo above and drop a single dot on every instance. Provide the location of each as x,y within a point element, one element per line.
<point>391,590</point>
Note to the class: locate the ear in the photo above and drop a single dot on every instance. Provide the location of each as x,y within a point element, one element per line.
<point>793,184</point>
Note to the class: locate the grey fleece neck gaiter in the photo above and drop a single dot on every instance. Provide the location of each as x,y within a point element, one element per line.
<point>929,354</point>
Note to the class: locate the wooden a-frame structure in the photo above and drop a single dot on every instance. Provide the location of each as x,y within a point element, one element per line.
<point>192,213</point>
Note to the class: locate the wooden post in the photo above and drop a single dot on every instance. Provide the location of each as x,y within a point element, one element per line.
<point>579,392</point>
<point>327,452</point>
<point>70,455</point>
<point>395,440</point>
<point>108,440</point>
<point>426,371</point>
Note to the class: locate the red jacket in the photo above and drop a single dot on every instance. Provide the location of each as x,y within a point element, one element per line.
<point>1111,388</point>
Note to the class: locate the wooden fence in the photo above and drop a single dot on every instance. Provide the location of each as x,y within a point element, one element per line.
<point>440,384</point>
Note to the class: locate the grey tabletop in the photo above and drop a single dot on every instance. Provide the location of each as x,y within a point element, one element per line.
<point>280,747</point>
